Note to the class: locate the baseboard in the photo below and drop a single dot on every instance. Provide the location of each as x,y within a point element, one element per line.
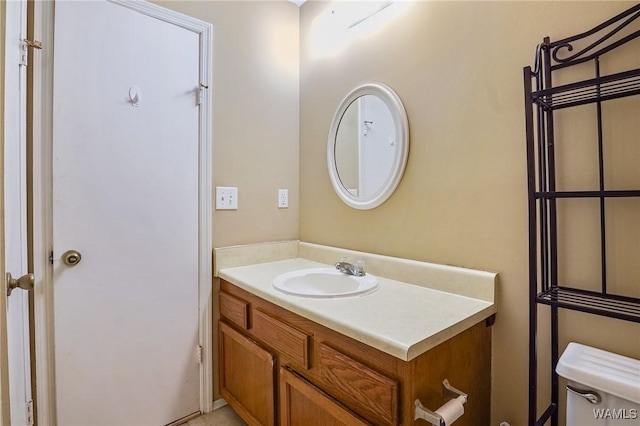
<point>219,403</point>
<point>185,419</point>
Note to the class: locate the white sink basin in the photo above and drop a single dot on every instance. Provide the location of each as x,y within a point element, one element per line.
<point>324,283</point>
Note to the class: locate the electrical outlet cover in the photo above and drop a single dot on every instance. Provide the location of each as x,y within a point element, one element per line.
<point>283,198</point>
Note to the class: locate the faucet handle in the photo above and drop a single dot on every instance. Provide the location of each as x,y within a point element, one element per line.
<point>358,267</point>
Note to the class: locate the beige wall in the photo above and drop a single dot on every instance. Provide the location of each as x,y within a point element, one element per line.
<point>457,66</point>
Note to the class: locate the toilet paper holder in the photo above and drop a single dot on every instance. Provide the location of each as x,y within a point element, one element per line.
<point>434,418</point>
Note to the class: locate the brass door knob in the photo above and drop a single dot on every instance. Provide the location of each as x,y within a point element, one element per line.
<point>25,282</point>
<point>71,257</point>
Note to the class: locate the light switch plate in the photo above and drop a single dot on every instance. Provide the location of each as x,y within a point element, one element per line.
<point>226,198</point>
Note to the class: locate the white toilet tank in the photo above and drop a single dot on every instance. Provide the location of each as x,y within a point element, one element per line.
<point>603,389</point>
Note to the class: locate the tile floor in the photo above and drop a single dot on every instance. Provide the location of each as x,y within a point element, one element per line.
<point>224,416</point>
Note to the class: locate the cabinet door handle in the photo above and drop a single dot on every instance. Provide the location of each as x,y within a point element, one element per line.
<point>589,395</point>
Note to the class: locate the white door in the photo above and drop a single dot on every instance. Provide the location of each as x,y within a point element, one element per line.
<point>377,144</point>
<point>16,213</point>
<point>125,196</point>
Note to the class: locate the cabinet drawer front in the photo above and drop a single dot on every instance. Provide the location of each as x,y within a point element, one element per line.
<point>301,403</point>
<point>282,337</point>
<point>235,310</point>
<point>367,391</point>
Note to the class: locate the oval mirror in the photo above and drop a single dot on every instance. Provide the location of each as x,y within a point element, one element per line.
<point>368,146</point>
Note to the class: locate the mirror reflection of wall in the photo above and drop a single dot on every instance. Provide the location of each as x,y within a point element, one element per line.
<point>365,146</point>
<point>347,144</point>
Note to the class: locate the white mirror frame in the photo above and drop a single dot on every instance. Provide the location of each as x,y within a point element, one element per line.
<point>391,99</point>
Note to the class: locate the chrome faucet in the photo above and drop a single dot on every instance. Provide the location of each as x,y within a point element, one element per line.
<point>355,269</point>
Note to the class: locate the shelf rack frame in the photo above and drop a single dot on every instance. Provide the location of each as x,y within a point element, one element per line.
<point>542,99</point>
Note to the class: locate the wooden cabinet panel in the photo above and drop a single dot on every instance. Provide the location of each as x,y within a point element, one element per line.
<point>247,377</point>
<point>282,337</point>
<point>302,404</point>
<point>235,310</point>
<point>367,390</point>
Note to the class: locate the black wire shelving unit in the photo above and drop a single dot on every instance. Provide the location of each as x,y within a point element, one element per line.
<point>542,100</point>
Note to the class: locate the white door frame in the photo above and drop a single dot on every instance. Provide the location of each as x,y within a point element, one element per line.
<point>42,203</point>
<point>16,385</point>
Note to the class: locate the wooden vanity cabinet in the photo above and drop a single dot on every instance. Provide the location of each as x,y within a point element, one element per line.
<point>306,374</point>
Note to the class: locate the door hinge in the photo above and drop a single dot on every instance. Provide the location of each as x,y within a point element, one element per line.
<point>24,50</point>
<point>29,411</point>
<point>200,93</point>
<point>199,353</point>
<point>51,257</point>
<point>199,96</point>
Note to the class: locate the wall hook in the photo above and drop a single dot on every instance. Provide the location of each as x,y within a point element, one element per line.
<point>135,94</point>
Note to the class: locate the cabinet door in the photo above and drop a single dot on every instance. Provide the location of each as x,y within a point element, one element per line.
<point>302,404</point>
<point>247,377</point>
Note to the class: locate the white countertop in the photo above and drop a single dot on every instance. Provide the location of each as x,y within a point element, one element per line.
<point>401,319</point>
